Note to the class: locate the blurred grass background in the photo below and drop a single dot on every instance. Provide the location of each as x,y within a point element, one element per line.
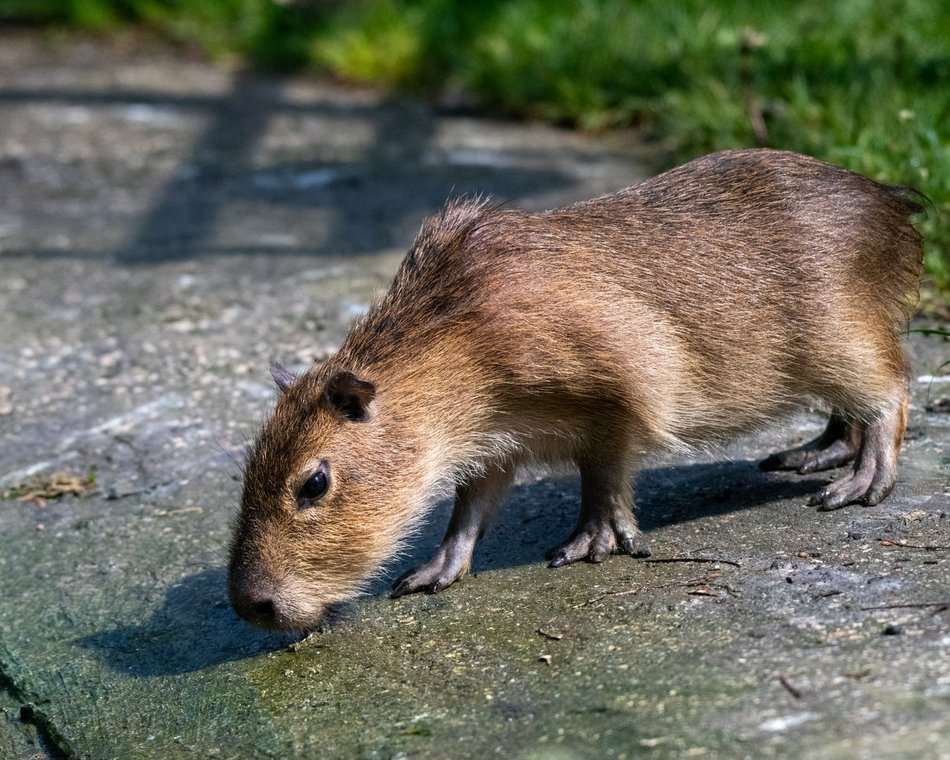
<point>862,83</point>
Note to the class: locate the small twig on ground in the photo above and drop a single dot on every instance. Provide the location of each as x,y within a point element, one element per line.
<point>175,512</point>
<point>705,588</point>
<point>902,545</point>
<point>710,560</point>
<point>703,585</point>
<point>789,688</point>
<point>909,606</point>
<point>551,636</point>
<point>625,592</point>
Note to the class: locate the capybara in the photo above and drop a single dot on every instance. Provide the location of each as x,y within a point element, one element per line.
<point>675,314</point>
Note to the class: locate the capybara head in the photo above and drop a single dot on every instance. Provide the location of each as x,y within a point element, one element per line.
<point>320,504</point>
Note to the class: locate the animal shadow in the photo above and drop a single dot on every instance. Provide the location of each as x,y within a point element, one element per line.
<point>537,516</point>
<point>195,628</point>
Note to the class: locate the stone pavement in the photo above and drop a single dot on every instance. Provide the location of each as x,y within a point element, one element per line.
<point>166,228</point>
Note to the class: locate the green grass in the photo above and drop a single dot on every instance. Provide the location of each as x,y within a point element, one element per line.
<point>862,83</point>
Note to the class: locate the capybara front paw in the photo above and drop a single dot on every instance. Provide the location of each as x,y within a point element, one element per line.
<point>431,578</point>
<point>595,541</point>
<point>857,488</point>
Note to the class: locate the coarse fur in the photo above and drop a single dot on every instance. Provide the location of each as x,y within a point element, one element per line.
<point>680,312</point>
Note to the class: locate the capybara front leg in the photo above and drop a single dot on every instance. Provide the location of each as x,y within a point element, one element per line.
<point>475,503</point>
<point>606,524</point>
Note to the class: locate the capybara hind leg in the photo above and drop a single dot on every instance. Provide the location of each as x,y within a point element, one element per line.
<point>875,469</point>
<point>837,445</point>
<point>475,504</point>
<point>606,524</point>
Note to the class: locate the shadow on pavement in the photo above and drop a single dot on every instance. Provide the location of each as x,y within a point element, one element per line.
<point>368,198</point>
<point>539,516</point>
<point>196,628</point>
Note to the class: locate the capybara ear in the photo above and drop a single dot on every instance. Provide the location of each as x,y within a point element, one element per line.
<point>350,396</point>
<point>282,376</point>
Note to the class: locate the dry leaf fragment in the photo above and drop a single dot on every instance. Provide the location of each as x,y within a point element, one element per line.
<point>914,515</point>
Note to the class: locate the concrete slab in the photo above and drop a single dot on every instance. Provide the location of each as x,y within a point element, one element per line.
<point>166,228</point>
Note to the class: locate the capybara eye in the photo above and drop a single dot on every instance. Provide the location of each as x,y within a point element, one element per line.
<point>313,488</point>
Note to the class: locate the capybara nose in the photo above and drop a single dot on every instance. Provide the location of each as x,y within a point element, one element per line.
<point>261,612</point>
<point>254,602</point>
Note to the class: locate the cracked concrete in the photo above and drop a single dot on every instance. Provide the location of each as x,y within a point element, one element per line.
<point>166,228</point>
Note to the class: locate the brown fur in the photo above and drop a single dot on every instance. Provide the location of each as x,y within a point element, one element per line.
<point>677,313</point>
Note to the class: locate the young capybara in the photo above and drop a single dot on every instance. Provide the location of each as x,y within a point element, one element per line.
<point>677,313</point>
